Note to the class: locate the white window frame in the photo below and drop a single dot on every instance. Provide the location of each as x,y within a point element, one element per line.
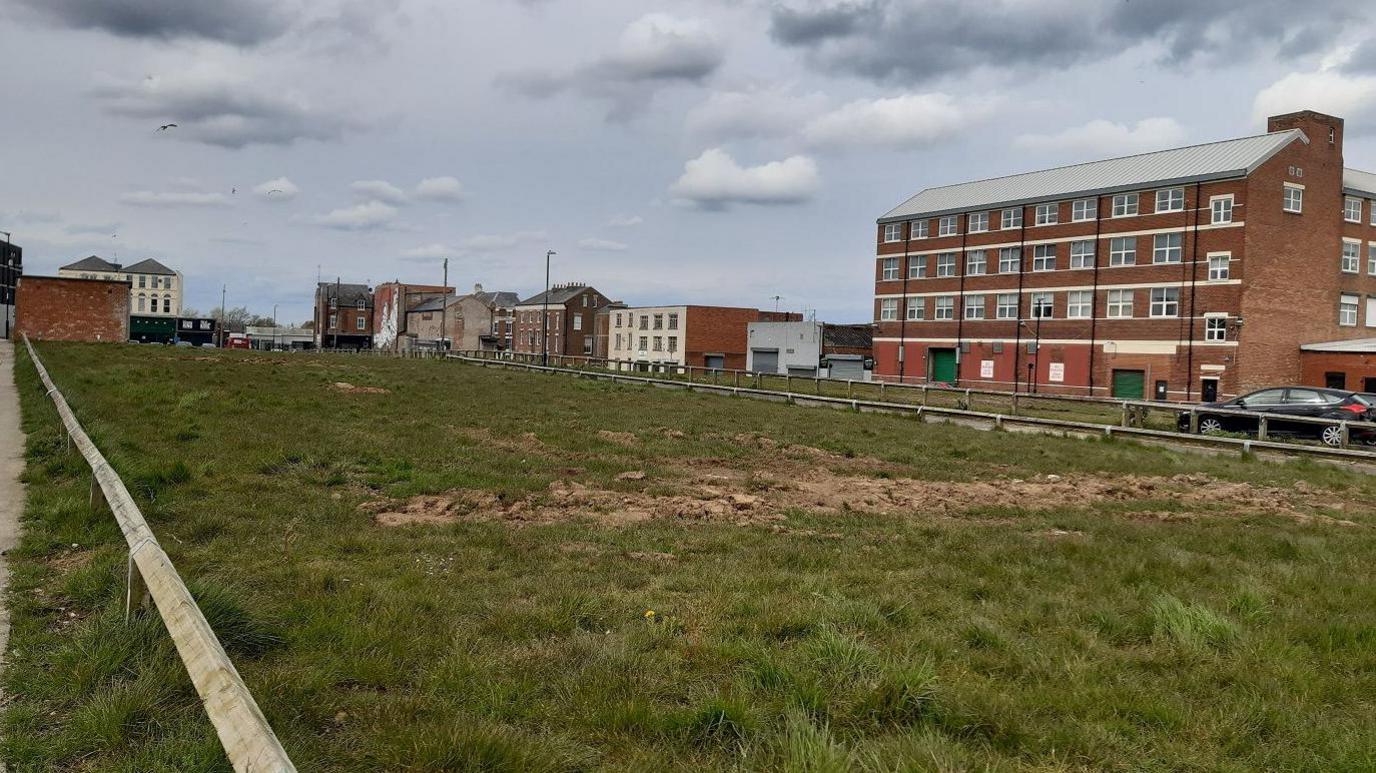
<point>1292,200</point>
<point>1170,195</point>
<point>1125,204</point>
<point>1221,209</point>
<point>945,308</point>
<point>1041,254</point>
<point>1351,260</point>
<point>977,222</point>
<point>1079,304</point>
<point>1371,311</point>
<point>1348,302</point>
<point>888,271</point>
<point>360,323</point>
<point>1122,257</point>
<point>1048,214</point>
<point>1160,254</point>
<point>1010,218</point>
<point>1006,306</point>
<point>945,264</point>
<point>1082,253</point>
<point>948,225</point>
<point>1215,327</point>
<point>1352,209</point>
<point>1220,266</point>
<point>577,322</point>
<point>893,232</point>
<point>1163,300</point>
<point>1082,210</point>
<point>1040,300</point>
<point>888,311</point>
<point>1371,258</point>
<point>1010,260</point>
<point>977,303</point>
<point>1120,304</point>
<point>975,267</point>
<point>915,309</point>
<point>918,262</point>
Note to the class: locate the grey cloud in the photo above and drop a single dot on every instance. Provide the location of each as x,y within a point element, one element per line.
<point>894,40</point>
<point>240,22</point>
<point>1363,58</point>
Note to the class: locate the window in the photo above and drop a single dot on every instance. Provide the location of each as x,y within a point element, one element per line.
<point>659,321</point>
<point>1170,200</point>
<point>167,304</point>
<point>578,322</point>
<point>143,281</point>
<point>946,226</point>
<point>1082,254</point>
<point>917,307</point>
<point>946,264</point>
<point>945,307</point>
<point>1047,214</point>
<point>974,307</point>
<point>1221,209</point>
<point>645,320</point>
<point>1124,204</point>
<point>1352,257</point>
<point>673,344</point>
<point>334,321</point>
<point>1371,258</point>
<point>917,267</point>
<point>1042,305</point>
<point>1352,209</point>
<point>1078,304</point>
<point>890,271</point>
<point>1122,251</point>
<point>1011,218</point>
<point>1165,302</point>
<point>1120,304</point>
<point>617,345</point>
<point>659,344</point>
<point>1218,267</point>
<point>143,301</point>
<point>1294,198</point>
<point>888,309</point>
<point>361,305</point>
<point>359,323</point>
<point>673,320</point>
<point>1044,257</point>
<point>976,263</point>
<point>893,232</point>
<point>1082,210</point>
<point>1010,260</point>
<point>1215,328</point>
<point>1006,306</point>
<point>920,229</point>
<point>1347,310</point>
<point>1371,311</point>
<point>1166,248</point>
<point>618,319</point>
<point>977,222</point>
<point>644,343</point>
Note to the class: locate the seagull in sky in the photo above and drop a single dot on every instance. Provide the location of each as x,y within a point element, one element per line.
<point>167,126</point>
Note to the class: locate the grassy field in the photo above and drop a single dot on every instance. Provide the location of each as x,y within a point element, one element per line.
<point>420,565</point>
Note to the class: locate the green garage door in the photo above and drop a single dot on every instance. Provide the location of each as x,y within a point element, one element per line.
<point>944,365</point>
<point>1129,384</point>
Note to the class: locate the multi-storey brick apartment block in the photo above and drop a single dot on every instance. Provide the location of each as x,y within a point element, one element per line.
<point>571,309</point>
<point>343,316</point>
<point>1191,273</point>
<point>702,336</point>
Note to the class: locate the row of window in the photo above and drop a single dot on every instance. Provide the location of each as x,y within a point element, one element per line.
<point>1349,306</point>
<point>360,323</point>
<point>166,304</point>
<point>645,320</point>
<point>1164,302</point>
<point>533,317</point>
<point>1351,260</point>
<point>649,343</point>
<point>1352,209</point>
<point>1122,251</point>
<point>1081,210</point>
<point>361,304</point>
<point>159,282</point>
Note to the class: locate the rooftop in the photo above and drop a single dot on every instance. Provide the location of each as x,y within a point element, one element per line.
<point>91,263</point>
<point>557,294</point>
<point>1353,345</point>
<point>1210,161</point>
<point>149,266</point>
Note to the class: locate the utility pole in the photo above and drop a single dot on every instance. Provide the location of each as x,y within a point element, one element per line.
<point>8,281</point>
<point>274,327</point>
<point>222,315</point>
<point>444,310</point>
<point>544,314</point>
<point>334,306</point>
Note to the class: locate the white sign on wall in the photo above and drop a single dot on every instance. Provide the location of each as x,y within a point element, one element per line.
<point>986,368</point>
<point>1057,372</point>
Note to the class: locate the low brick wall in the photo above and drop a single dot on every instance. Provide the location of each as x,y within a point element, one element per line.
<point>51,308</point>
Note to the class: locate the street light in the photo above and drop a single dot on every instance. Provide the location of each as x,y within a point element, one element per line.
<point>544,314</point>
<point>274,327</point>
<point>1036,346</point>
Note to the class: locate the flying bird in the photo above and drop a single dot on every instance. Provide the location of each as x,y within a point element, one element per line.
<point>167,126</point>
<point>233,191</point>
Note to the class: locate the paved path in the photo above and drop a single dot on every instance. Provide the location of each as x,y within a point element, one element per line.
<point>11,491</point>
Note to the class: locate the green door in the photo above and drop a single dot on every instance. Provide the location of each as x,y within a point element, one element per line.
<point>1129,384</point>
<point>944,365</point>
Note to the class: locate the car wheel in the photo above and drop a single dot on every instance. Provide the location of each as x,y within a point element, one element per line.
<point>1210,426</point>
<point>1332,436</point>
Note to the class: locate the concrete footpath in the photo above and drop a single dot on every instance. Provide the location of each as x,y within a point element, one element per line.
<point>11,491</point>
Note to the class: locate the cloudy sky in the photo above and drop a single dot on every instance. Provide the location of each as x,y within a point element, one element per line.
<point>708,152</point>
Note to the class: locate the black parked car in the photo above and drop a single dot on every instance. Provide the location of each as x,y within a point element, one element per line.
<point>1310,402</point>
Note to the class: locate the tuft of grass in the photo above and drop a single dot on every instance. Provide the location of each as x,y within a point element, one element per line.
<point>1192,626</point>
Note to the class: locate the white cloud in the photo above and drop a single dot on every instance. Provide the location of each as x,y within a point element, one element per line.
<point>1352,96</point>
<point>714,180</point>
<point>174,199</point>
<point>1101,137</point>
<point>440,189</point>
<point>603,245</point>
<point>360,217</point>
<point>279,189</point>
<point>435,250</point>
<point>658,46</point>
<point>378,190</point>
<point>625,221</point>
<point>502,241</point>
<point>764,112</point>
<point>907,121</point>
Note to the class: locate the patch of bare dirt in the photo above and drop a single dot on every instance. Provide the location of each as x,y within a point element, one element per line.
<point>350,389</point>
<point>620,438</point>
<point>660,558</point>
<point>74,559</point>
<point>632,475</point>
<point>526,442</point>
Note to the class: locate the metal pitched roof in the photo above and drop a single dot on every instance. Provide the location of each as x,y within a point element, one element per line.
<point>1211,161</point>
<point>1357,181</point>
<point>91,263</point>
<point>149,266</point>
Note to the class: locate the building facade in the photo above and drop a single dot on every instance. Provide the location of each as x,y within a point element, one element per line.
<point>155,289</point>
<point>1192,273</point>
<point>343,316</point>
<point>701,336</point>
<point>810,349</point>
<point>11,267</point>
<point>49,308</point>
<point>566,312</point>
<point>392,302</point>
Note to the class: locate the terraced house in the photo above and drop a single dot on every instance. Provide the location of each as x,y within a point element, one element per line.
<point>1191,273</point>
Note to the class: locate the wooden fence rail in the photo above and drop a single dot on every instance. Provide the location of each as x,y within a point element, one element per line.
<point>249,741</point>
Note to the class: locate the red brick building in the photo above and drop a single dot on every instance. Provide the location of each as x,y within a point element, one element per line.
<point>1182,274</point>
<point>1348,364</point>
<point>343,316</point>
<point>49,308</point>
<point>571,309</point>
<point>701,336</point>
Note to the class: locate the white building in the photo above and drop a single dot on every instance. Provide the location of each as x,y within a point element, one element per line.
<point>647,334</point>
<point>809,349</point>
<point>155,289</point>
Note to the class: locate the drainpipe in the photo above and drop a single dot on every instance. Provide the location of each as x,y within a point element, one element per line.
<point>1017,323</point>
<point>960,296</point>
<point>903,304</point>
<point>1094,294</point>
<point>1194,279</point>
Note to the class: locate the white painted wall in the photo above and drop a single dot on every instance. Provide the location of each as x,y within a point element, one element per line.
<point>624,340</point>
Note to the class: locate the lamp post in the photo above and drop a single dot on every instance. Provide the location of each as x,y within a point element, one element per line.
<point>223,288</point>
<point>444,310</point>
<point>8,280</point>
<point>544,313</point>
<point>1032,367</point>
<point>274,327</point>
